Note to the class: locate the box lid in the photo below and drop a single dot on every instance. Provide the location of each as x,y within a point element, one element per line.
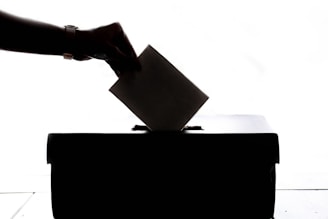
<point>246,138</point>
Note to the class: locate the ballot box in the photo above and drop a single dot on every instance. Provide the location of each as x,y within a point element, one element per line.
<point>216,167</point>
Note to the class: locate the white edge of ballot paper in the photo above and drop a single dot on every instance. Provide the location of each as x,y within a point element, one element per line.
<point>159,95</point>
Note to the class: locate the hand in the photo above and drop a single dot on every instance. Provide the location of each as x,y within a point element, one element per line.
<point>108,43</point>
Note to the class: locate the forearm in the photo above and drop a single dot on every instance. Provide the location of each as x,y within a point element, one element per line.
<point>23,35</point>
<point>107,43</point>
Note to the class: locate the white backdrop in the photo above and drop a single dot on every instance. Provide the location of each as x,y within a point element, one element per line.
<point>249,57</point>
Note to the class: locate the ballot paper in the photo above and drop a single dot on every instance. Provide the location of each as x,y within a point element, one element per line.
<point>159,95</point>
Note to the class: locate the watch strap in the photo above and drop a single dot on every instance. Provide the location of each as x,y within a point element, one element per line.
<point>70,32</point>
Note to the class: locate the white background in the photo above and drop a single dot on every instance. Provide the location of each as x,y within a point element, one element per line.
<point>249,57</point>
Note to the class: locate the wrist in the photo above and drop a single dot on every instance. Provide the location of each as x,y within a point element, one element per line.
<point>83,45</point>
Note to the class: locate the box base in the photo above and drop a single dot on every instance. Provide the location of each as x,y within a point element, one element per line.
<point>200,176</point>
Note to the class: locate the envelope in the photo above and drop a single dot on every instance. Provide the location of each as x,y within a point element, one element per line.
<point>159,95</point>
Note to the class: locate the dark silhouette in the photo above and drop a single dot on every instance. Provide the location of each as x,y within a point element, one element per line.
<point>161,174</point>
<point>195,173</point>
<point>108,43</point>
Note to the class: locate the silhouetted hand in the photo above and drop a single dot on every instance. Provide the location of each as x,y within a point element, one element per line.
<point>110,44</point>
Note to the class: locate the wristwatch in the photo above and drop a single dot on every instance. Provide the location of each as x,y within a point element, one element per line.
<point>70,31</point>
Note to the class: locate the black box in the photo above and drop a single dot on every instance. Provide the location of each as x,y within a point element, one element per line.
<point>199,174</point>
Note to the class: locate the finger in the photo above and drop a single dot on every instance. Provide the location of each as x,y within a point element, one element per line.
<point>123,62</point>
<point>126,47</point>
<point>81,57</point>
